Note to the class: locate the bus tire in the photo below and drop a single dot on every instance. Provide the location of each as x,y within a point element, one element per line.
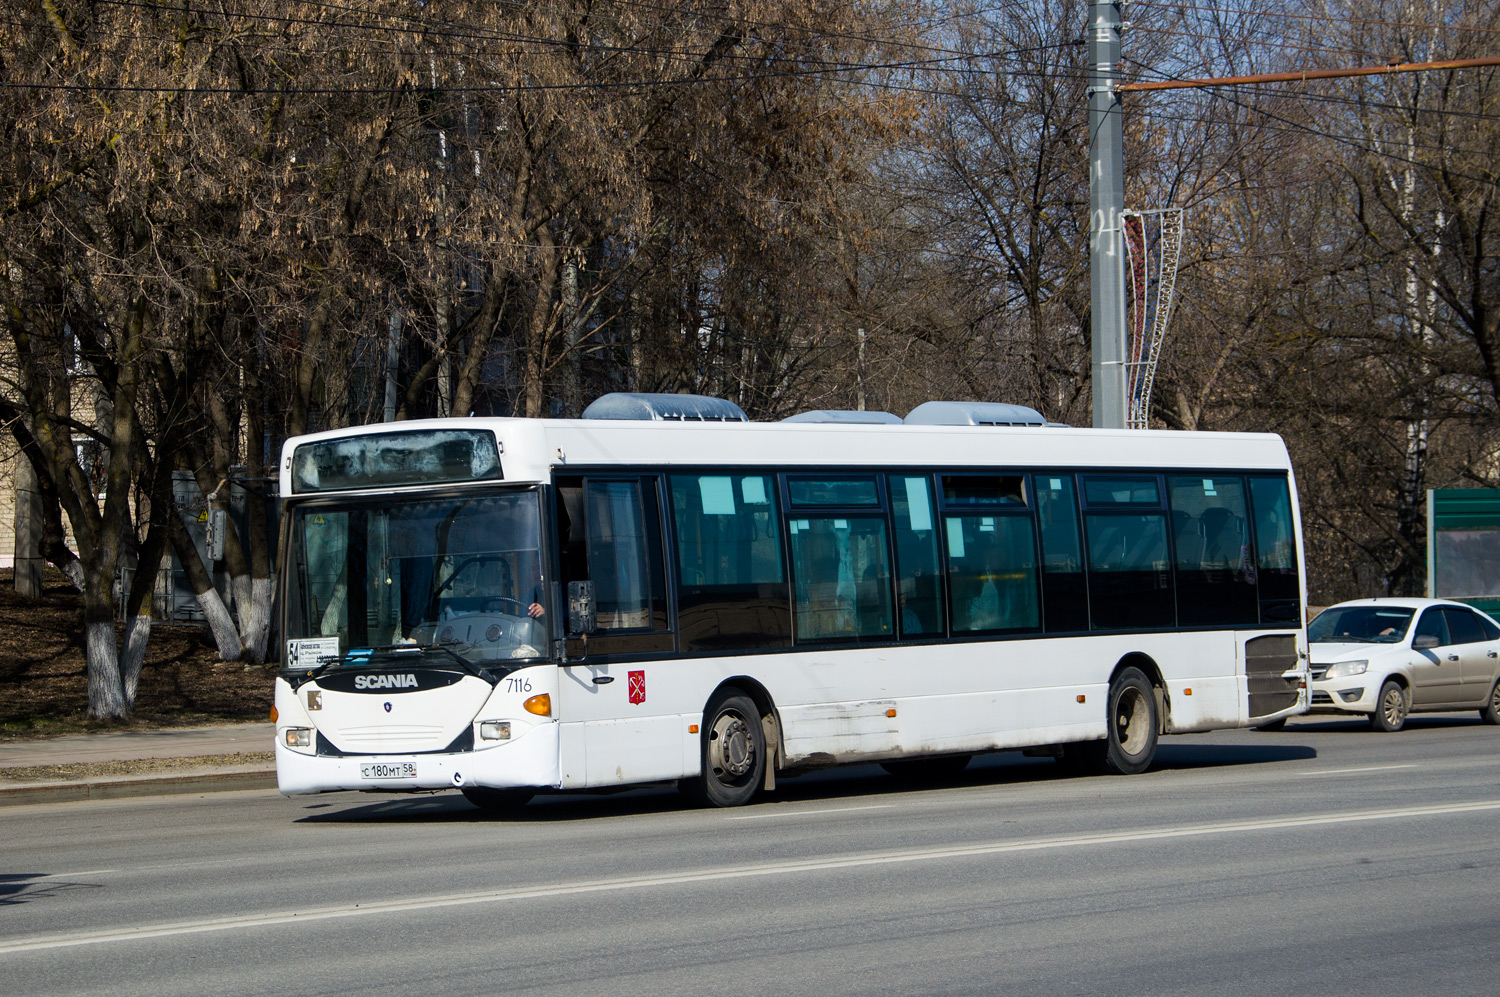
<point>497,801</point>
<point>1129,745</point>
<point>733,752</point>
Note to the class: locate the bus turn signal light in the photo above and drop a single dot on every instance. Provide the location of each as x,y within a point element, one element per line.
<point>274,714</point>
<point>540,705</point>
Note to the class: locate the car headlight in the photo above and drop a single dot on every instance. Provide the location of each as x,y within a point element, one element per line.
<point>1344,669</point>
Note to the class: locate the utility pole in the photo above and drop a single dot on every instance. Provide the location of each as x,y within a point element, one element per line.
<point>1106,217</point>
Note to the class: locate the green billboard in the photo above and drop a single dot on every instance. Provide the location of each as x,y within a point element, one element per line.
<point>1463,545</point>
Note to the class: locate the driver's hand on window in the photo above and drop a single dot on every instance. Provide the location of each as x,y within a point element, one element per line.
<point>535,610</point>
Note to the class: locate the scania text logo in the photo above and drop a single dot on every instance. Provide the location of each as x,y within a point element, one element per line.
<point>407,681</point>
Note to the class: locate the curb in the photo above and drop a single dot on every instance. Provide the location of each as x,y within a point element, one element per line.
<point>114,789</point>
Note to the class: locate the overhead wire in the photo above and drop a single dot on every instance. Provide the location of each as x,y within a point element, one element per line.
<point>1333,137</point>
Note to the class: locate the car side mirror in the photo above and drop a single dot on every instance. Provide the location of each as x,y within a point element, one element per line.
<point>1424,642</point>
<point>581,607</point>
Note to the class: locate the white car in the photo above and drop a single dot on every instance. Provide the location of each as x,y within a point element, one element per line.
<point>1391,657</point>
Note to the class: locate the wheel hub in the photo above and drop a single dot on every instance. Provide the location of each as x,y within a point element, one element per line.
<point>730,746</point>
<point>1131,721</point>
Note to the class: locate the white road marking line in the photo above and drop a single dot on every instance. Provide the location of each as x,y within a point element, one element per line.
<point>1367,768</point>
<point>72,875</point>
<point>827,864</point>
<point>807,813</point>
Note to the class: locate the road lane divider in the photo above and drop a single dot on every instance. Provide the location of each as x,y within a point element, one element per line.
<point>809,813</point>
<point>1362,768</point>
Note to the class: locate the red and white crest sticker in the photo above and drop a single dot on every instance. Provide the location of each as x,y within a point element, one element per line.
<point>636,686</point>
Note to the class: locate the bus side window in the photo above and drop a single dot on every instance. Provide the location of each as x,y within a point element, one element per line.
<point>919,586</point>
<point>732,589</point>
<point>1215,566</point>
<point>841,562</point>
<point>610,535</point>
<point>991,547</point>
<point>618,562</point>
<point>1275,551</point>
<point>1130,577</point>
<point>1065,597</point>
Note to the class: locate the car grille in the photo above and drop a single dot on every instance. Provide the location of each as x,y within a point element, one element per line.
<point>1318,671</point>
<point>1321,698</point>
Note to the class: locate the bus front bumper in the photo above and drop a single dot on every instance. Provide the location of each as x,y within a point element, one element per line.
<point>531,761</point>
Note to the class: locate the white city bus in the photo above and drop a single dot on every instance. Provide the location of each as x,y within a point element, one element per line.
<point>663,592</point>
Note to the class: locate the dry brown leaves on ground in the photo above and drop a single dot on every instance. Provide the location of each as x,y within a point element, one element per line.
<point>44,682</point>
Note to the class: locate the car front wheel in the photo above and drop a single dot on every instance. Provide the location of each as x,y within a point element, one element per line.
<point>1391,708</point>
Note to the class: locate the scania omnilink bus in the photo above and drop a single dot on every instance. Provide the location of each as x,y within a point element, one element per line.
<point>669,592</point>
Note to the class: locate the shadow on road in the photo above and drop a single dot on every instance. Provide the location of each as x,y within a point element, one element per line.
<point>1199,756</point>
<point>832,785</point>
<point>1335,724</point>
<point>24,887</point>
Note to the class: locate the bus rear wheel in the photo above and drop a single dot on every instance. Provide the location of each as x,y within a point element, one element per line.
<point>1129,744</point>
<point>497,801</point>
<point>733,752</point>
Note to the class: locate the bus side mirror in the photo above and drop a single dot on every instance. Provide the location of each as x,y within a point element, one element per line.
<point>581,607</point>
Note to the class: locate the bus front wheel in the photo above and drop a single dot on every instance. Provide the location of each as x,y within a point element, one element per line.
<point>733,752</point>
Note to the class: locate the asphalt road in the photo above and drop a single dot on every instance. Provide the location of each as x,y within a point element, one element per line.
<point>1322,859</point>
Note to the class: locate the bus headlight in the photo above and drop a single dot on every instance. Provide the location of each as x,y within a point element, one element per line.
<point>1344,669</point>
<point>494,730</point>
<point>298,737</point>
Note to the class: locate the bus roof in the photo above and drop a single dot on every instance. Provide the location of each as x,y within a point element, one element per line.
<point>533,450</point>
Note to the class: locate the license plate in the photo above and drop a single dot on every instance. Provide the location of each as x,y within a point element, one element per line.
<point>388,770</point>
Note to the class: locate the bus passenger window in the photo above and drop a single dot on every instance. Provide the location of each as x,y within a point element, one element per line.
<point>1130,572</point>
<point>732,587</point>
<point>992,573</point>
<point>1130,580</point>
<point>1065,598</point>
<point>919,588</point>
<point>1215,568</point>
<point>841,579</point>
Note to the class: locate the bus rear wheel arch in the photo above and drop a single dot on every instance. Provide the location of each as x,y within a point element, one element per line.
<point>732,750</point>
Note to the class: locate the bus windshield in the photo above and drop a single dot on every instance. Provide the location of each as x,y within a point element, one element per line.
<point>463,572</point>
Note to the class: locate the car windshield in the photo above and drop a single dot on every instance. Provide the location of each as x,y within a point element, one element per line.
<point>463,573</point>
<point>1360,624</point>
